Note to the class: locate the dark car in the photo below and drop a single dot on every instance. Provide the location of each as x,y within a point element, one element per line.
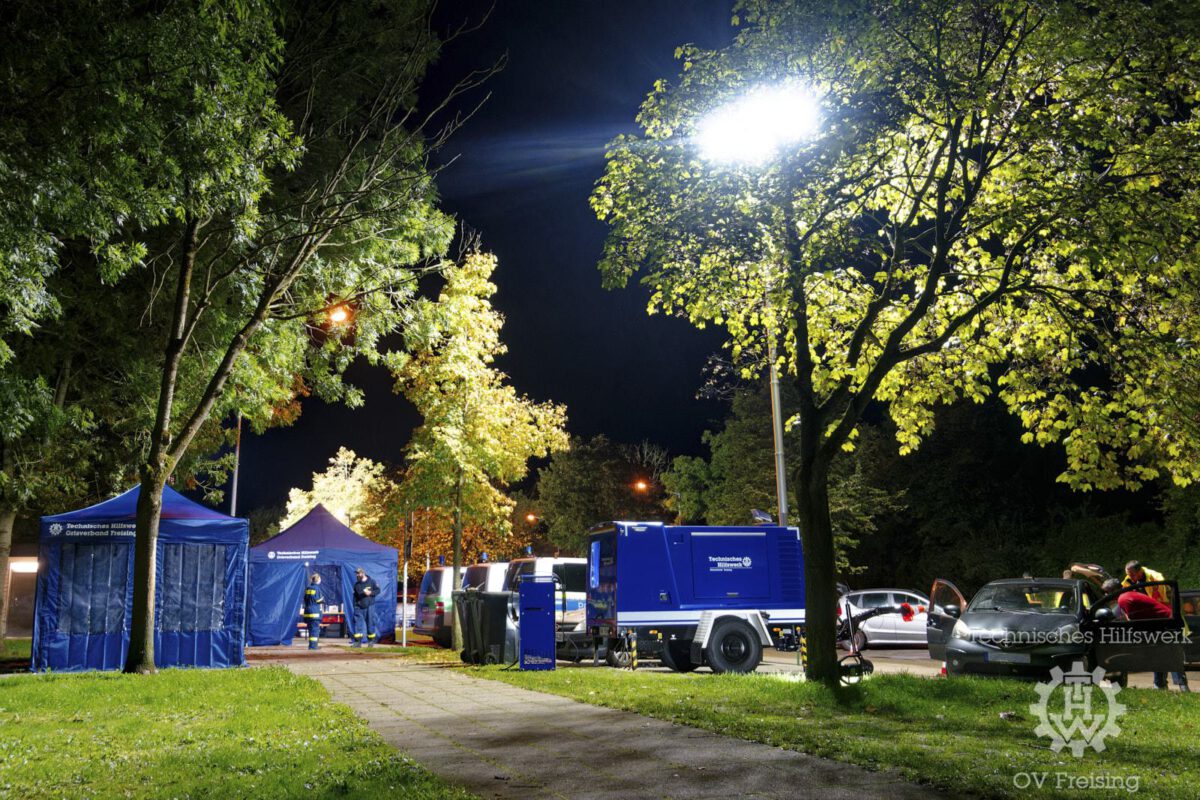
<point>1026,627</point>
<point>1189,601</point>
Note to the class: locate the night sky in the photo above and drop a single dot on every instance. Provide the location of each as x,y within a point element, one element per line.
<point>526,164</point>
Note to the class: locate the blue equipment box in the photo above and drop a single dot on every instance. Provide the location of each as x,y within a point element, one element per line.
<point>649,574</point>
<point>536,598</point>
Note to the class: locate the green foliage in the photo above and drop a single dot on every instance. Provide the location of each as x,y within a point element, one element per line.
<point>1007,189</point>
<point>981,506</point>
<point>478,434</point>
<point>350,489</point>
<point>118,121</point>
<point>265,522</point>
<point>192,733</point>
<point>740,475</point>
<point>1002,199</point>
<point>595,481</point>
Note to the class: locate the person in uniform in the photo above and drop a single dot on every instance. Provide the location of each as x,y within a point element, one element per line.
<point>366,590</point>
<point>313,598</point>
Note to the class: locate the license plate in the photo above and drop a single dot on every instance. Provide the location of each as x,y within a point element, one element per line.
<point>1009,658</point>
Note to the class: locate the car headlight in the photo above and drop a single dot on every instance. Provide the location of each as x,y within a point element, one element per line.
<point>961,630</point>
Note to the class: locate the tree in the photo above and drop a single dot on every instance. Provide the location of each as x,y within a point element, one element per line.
<point>352,489</point>
<point>477,434</point>
<point>346,222</point>
<point>1001,199</point>
<point>740,476</point>
<point>594,481</point>
<point>75,402</point>
<point>94,96</point>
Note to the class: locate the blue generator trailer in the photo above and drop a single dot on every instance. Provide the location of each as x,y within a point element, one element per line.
<point>693,595</point>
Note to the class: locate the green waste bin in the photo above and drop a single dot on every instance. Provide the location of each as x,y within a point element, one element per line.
<point>468,608</point>
<point>497,629</point>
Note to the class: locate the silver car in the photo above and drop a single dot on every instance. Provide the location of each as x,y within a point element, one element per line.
<point>887,628</point>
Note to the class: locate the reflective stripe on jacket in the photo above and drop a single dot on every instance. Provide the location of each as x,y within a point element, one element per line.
<point>313,598</point>
<point>1159,593</point>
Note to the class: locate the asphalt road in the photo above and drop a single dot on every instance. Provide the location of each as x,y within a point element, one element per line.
<point>887,660</point>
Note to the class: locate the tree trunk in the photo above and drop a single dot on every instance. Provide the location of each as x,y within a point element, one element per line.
<point>7,517</point>
<point>457,572</point>
<point>145,558</point>
<point>816,534</point>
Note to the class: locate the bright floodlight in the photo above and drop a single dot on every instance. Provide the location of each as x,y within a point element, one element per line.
<point>755,127</point>
<point>339,314</point>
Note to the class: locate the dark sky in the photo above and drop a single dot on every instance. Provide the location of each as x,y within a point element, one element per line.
<point>526,163</point>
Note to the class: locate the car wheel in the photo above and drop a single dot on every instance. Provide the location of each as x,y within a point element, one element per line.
<point>860,640</point>
<point>733,647</point>
<point>677,656</point>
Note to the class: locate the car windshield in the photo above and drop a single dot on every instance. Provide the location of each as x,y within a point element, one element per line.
<point>432,582</point>
<point>571,577</point>
<point>515,570</point>
<point>476,577</point>
<point>1025,598</point>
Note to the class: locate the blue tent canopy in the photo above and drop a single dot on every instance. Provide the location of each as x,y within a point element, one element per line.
<point>85,588</point>
<point>319,542</point>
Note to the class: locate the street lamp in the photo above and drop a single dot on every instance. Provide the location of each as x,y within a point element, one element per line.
<point>757,126</point>
<point>753,130</point>
<point>641,486</point>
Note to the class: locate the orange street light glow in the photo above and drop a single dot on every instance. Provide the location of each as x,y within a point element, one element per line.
<point>531,518</point>
<point>641,486</point>
<point>339,315</point>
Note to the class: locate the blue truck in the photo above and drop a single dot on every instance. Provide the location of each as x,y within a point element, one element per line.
<point>692,595</point>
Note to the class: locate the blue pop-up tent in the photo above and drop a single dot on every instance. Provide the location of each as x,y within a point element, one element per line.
<point>319,542</point>
<point>85,587</point>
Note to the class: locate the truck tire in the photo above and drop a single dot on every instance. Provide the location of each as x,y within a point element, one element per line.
<point>733,646</point>
<point>677,656</point>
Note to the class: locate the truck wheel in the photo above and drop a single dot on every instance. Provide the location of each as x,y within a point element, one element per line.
<point>733,647</point>
<point>677,656</point>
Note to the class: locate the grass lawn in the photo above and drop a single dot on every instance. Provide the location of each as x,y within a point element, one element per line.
<point>255,733</point>
<point>15,649</point>
<point>949,733</point>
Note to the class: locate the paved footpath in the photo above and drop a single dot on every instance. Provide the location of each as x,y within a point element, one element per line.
<point>499,741</point>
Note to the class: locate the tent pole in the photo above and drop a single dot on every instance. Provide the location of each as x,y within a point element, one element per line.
<point>237,460</point>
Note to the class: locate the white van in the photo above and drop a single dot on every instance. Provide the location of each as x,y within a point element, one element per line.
<point>570,592</point>
<point>486,577</point>
<point>435,606</point>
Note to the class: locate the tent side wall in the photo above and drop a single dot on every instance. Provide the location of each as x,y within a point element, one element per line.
<point>85,594</point>
<point>84,605</point>
<point>277,588</point>
<point>200,614</point>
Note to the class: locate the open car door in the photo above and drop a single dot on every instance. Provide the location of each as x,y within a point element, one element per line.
<point>939,624</point>
<point>1092,573</point>
<point>1148,644</point>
